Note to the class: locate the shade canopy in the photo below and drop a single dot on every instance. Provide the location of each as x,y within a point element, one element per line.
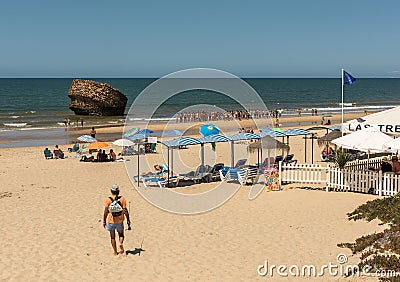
<point>270,132</point>
<point>366,140</point>
<point>182,141</point>
<point>296,131</point>
<point>243,136</point>
<point>330,136</point>
<point>269,143</point>
<point>214,138</point>
<point>386,121</point>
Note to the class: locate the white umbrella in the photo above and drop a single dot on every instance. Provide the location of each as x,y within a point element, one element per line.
<point>393,145</point>
<point>367,140</point>
<point>123,143</point>
<point>386,121</point>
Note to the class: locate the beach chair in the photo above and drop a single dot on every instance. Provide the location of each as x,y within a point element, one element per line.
<point>240,175</point>
<point>240,163</point>
<point>268,162</point>
<point>213,173</point>
<point>153,148</point>
<point>162,182</point>
<point>289,159</point>
<point>75,148</point>
<point>278,159</point>
<point>197,175</point>
<point>248,174</point>
<point>48,154</point>
<point>164,169</point>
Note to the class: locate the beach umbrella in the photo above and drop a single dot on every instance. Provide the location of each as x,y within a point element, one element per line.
<point>123,142</point>
<point>173,132</point>
<point>145,131</point>
<point>209,129</point>
<point>393,145</point>
<point>131,132</point>
<point>97,145</point>
<point>386,121</point>
<point>87,138</point>
<point>334,134</point>
<point>137,136</point>
<point>367,140</point>
<point>273,133</point>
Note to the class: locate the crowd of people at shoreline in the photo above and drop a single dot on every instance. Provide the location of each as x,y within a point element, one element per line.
<point>226,116</point>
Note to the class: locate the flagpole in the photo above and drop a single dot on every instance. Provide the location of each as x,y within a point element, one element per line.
<point>342,100</point>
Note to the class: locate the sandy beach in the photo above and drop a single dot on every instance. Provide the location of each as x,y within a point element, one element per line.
<point>53,227</point>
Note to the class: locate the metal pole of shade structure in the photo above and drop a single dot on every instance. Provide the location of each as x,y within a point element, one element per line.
<point>312,148</point>
<point>305,148</point>
<point>138,163</point>
<point>168,166</point>
<point>202,154</point>
<point>172,161</point>
<point>232,153</point>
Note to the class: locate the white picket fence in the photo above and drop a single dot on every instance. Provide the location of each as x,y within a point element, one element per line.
<point>301,173</point>
<point>364,181</point>
<point>348,179</point>
<point>364,164</point>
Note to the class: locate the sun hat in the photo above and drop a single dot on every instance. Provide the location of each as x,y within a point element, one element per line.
<point>114,188</point>
<point>384,159</point>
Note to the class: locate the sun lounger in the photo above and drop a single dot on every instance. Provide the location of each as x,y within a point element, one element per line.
<point>241,175</point>
<point>289,159</point>
<point>198,175</point>
<point>213,173</point>
<point>250,174</point>
<point>162,182</point>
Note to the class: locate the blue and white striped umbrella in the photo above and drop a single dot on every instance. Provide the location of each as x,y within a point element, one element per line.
<point>137,136</point>
<point>214,138</point>
<point>270,132</point>
<point>87,138</point>
<point>131,132</point>
<point>243,136</point>
<point>295,131</point>
<point>145,131</point>
<point>183,141</point>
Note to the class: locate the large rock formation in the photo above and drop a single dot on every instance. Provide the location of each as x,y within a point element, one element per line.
<point>96,98</point>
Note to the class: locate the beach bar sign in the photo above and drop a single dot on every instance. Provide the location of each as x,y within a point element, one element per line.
<point>391,129</point>
<point>387,121</point>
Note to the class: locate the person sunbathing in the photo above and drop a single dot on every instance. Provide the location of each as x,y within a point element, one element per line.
<point>157,170</point>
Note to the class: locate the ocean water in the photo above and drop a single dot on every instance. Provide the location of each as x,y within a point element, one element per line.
<point>33,104</point>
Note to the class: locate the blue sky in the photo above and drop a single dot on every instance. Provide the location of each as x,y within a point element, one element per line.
<point>153,38</point>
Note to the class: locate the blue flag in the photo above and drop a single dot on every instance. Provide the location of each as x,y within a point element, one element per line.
<point>348,78</point>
